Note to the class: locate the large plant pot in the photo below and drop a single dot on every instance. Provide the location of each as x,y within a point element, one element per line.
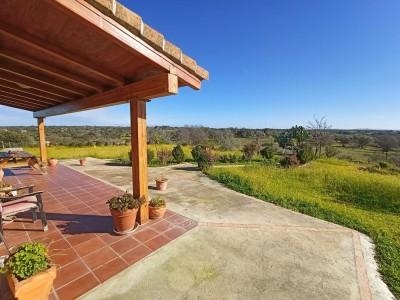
<point>161,184</point>
<point>124,221</point>
<point>37,287</point>
<point>52,162</point>
<point>82,161</point>
<point>157,212</point>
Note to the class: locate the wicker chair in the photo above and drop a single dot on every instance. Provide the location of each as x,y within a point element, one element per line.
<point>11,205</point>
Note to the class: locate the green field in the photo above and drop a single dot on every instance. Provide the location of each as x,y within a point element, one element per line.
<point>336,191</point>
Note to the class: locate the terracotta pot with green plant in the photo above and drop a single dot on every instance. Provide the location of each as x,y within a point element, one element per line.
<point>157,208</point>
<point>30,273</point>
<point>161,183</point>
<point>123,210</point>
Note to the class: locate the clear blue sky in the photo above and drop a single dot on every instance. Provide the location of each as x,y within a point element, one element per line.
<point>272,64</point>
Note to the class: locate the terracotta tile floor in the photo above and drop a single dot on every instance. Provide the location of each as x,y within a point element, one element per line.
<point>80,230</point>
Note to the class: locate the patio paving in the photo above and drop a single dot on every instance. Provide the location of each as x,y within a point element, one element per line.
<point>80,233</point>
<point>242,248</point>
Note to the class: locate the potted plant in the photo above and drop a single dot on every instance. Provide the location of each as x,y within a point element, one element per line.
<point>82,161</point>
<point>123,210</point>
<point>30,273</point>
<point>161,183</point>
<point>5,187</point>
<point>157,208</point>
<point>52,162</point>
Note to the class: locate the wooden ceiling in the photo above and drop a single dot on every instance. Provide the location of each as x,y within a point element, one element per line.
<point>61,56</point>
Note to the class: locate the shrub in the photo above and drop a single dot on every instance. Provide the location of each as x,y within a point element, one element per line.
<point>289,161</point>
<point>157,202</point>
<point>164,155</point>
<point>124,202</point>
<point>305,154</point>
<point>383,165</point>
<point>331,151</point>
<point>29,259</point>
<point>150,155</point>
<point>267,153</point>
<point>249,150</point>
<point>178,154</point>
<point>204,157</point>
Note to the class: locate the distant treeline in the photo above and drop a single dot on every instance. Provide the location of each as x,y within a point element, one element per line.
<point>226,138</point>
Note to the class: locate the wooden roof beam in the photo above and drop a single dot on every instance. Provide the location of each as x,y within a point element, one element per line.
<point>35,93</point>
<point>29,83</point>
<point>60,54</point>
<point>14,105</point>
<point>18,104</point>
<point>28,95</point>
<point>40,66</point>
<point>129,41</point>
<point>152,87</point>
<point>3,91</point>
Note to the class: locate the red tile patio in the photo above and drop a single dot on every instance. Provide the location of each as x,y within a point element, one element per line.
<point>80,233</point>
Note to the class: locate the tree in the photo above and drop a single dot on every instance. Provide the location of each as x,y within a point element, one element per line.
<point>319,134</point>
<point>387,143</point>
<point>362,141</point>
<point>178,154</point>
<point>344,140</point>
<point>267,153</point>
<point>250,149</point>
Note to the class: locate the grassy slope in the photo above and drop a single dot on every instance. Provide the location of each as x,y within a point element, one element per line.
<point>336,191</point>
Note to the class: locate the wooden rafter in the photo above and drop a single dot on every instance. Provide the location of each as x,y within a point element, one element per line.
<point>15,104</point>
<point>26,98</point>
<point>22,101</point>
<point>62,74</point>
<point>156,86</point>
<point>60,54</point>
<point>26,95</point>
<point>32,92</point>
<point>29,83</point>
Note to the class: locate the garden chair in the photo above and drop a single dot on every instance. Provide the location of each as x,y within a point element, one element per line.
<point>10,205</point>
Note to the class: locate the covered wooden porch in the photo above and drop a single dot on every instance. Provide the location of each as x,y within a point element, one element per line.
<point>64,56</point>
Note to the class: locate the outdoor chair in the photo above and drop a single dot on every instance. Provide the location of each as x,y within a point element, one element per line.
<point>12,204</point>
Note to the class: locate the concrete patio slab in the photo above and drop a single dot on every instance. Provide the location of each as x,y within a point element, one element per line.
<point>243,248</point>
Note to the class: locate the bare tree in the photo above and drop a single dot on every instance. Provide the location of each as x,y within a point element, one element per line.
<point>320,135</point>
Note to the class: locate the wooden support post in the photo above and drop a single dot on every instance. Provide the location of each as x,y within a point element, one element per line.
<point>139,156</point>
<point>42,141</point>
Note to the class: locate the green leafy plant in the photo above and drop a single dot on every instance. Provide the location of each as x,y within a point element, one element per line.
<point>305,154</point>
<point>150,155</point>
<point>28,260</point>
<point>178,154</point>
<point>157,202</point>
<point>124,202</point>
<point>204,157</point>
<point>267,152</point>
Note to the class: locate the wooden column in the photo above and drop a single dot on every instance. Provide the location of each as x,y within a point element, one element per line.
<point>42,141</point>
<point>139,156</point>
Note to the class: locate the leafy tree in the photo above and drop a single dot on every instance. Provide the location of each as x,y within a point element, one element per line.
<point>343,140</point>
<point>204,157</point>
<point>178,154</point>
<point>361,141</point>
<point>267,152</point>
<point>305,154</point>
<point>386,143</point>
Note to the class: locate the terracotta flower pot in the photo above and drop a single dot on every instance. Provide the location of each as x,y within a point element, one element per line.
<point>82,161</point>
<point>124,221</point>
<point>157,212</point>
<point>52,162</point>
<point>37,287</point>
<point>162,184</point>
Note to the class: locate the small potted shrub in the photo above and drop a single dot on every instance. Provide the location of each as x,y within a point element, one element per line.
<point>52,162</point>
<point>82,161</point>
<point>30,273</point>
<point>157,208</point>
<point>123,210</point>
<point>161,183</point>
